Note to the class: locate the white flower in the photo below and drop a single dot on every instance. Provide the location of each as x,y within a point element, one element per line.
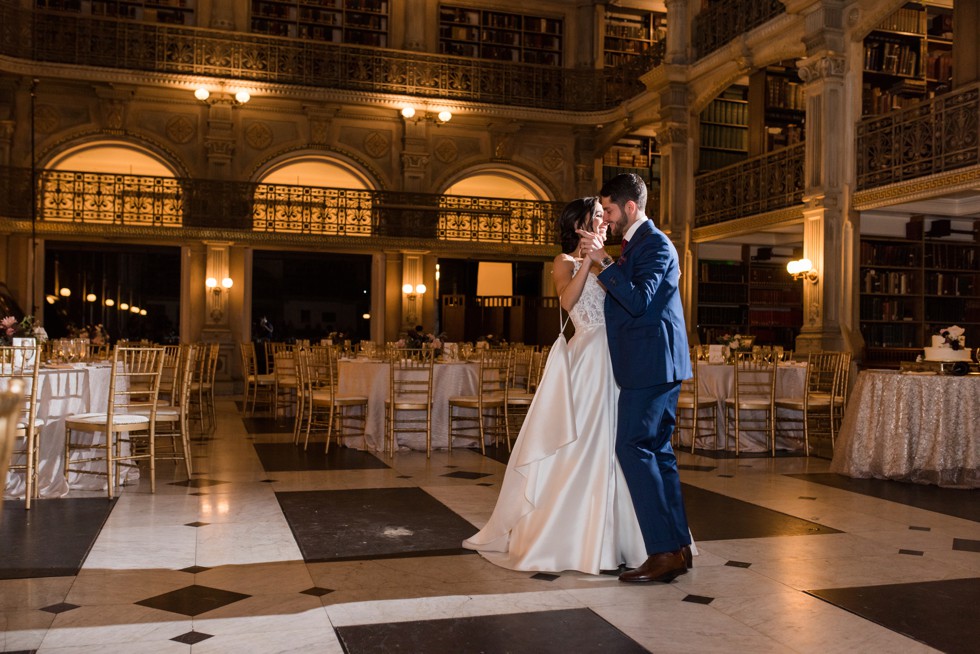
<point>954,332</point>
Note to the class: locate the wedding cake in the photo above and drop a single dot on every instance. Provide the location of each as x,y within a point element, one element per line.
<point>942,349</point>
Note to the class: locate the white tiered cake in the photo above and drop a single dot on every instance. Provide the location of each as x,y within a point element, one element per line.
<point>941,351</point>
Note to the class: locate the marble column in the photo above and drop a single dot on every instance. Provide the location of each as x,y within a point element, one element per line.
<point>829,148</point>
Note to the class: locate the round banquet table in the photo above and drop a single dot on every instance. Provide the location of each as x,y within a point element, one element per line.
<point>718,380</point>
<point>369,378</point>
<point>913,427</point>
<point>64,391</point>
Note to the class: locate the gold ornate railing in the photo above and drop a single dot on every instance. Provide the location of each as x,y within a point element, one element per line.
<point>931,137</point>
<point>163,203</point>
<point>121,44</point>
<point>721,22</point>
<point>765,183</point>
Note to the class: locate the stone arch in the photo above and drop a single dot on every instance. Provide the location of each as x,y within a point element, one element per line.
<point>135,184</point>
<point>497,181</point>
<point>312,167</point>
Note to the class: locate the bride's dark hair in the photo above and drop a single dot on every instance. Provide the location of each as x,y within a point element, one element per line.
<point>577,214</point>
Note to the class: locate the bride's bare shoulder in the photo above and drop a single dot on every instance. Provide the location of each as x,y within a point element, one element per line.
<point>565,259</point>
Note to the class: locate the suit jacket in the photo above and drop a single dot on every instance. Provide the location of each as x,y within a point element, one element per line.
<point>644,316</point>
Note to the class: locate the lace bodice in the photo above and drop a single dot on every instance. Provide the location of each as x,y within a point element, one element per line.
<point>588,311</point>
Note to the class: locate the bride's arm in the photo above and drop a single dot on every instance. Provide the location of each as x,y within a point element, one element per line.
<point>569,286</point>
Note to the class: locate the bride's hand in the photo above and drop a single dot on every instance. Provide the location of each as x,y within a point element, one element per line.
<point>591,245</point>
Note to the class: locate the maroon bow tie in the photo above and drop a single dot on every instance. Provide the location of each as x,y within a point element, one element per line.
<point>625,243</point>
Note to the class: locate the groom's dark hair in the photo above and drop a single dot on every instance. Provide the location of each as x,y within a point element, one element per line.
<point>625,187</point>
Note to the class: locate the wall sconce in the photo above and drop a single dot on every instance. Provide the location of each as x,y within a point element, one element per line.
<point>203,94</point>
<point>409,112</point>
<point>242,96</point>
<point>212,284</point>
<point>802,269</point>
<point>411,292</point>
<point>445,116</point>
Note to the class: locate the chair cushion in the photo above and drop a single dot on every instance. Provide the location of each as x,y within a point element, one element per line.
<point>92,419</point>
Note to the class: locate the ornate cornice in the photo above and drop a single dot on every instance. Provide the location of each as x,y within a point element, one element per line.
<point>740,226</point>
<point>186,235</point>
<point>823,67</point>
<point>923,188</point>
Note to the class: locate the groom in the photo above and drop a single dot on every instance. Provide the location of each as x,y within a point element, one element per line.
<point>648,346</point>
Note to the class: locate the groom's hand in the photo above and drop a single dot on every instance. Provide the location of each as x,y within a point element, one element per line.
<point>592,245</point>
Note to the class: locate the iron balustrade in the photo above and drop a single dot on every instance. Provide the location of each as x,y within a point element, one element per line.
<point>166,203</point>
<point>932,136</point>
<point>722,22</point>
<point>55,37</point>
<point>764,183</point>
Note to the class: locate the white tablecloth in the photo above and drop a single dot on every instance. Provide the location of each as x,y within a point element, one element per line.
<point>908,427</point>
<point>61,393</point>
<point>718,380</point>
<point>370,378</point>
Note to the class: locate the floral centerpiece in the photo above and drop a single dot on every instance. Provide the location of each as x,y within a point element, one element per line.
<point>419,340</point>
<point>11,328</point>
<point>733,341</point>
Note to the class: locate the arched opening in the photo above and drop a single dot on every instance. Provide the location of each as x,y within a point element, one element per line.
<point>314,195</point>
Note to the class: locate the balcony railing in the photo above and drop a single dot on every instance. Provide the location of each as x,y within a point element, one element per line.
<point>130,45</point>
<point>758,185</point>
<point>166,204</point>
<point>930,137</point>
<point>722,22</point>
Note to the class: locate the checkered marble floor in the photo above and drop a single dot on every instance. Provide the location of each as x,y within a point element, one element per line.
<point>270,549</point>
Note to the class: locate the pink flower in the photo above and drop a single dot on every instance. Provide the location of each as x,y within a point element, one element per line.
<point>10,331</point>
<point>8,323</point>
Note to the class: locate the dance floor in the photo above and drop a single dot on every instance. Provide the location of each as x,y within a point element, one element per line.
<point>270,548</point>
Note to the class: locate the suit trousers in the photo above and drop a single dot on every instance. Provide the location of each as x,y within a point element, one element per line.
<point>646,422</point>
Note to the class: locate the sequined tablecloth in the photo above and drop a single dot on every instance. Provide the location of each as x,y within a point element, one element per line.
<point>912,427</point>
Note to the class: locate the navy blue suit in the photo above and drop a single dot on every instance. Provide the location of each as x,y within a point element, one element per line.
<point>650,357</point>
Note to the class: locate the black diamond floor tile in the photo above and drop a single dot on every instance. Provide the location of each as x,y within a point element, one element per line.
<point>933,612</point>
<point>59,608</point>
<point>966,545</point>
<point>462,474</point>
<point>61,533</point>
<point>281,457</point>
<point>316,591</point>
<point>372,523</point>
<point>197,483</point>
<point>194,569</point>
<point>192,600</point>
<point>545,576</point>
<point>961,503</point>
<point>192,637</point>
<point>712,516</point>
<point>698,599</point>
<point>574,630</point>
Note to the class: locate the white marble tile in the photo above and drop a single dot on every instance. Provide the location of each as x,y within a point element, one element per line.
<point>151,647</point>
<point>114,625</point>
<point>807,624</point>
<point>266,613</point>
<point>152,547</point>
<point>279,641</point>
<point>23,629</point>
<point>242,543</point>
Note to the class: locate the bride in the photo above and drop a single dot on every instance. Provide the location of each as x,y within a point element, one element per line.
<point>564,504</point>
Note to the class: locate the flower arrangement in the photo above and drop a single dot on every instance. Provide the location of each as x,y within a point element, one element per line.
<point>490,340</point>
<point>11,328</point>
<point>733,341</point>
<point>418,339</point>
<point>953,336</point>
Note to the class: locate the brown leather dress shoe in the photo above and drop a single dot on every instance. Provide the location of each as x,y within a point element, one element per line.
<point>688,557</point>
<point>658,567</point>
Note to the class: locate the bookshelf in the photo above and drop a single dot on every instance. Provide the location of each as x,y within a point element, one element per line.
<point>750,295</point>
<point>501,36</point>
<point>724,130</point>
<point>907,57</point>
<point>630,34</point>
<point>172,12</point>
<point>633,154</point>
<point>777,108</point>
<point>357,22</point>
<point>914,285</point>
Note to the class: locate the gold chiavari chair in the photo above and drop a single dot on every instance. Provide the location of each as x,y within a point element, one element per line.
<point>812,413</point>
<point>172,417</point>
<point>752,409</point>
<point>696,411</point>
<point>97,351</point>
<point>168,374</point>
<point>256,384</point>
<point>840,394</point>
<point>326,406</point>
<point>408,408</point>
<point>19,365</point>
<point>287,382</point>
<point>475,416</point>
<point>202,384</point>
<point>130,417</point>
<point>11,399</point>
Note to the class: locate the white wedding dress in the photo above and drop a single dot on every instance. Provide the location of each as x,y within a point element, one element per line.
<point>564,504</point>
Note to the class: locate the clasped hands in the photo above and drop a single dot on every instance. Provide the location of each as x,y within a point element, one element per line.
<point>592,245</point>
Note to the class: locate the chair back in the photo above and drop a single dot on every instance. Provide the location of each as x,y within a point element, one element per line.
<point>134,385</point>
<point>755,381</point>
<point>169,372</point>
<point>410,378</point>
<point>496,366</point>
<point>822,373</point>
<point>19,366</point>
<point>521,368</point>
<point>284,366</point>
<point>184,375</point>
<point>249,363</point>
